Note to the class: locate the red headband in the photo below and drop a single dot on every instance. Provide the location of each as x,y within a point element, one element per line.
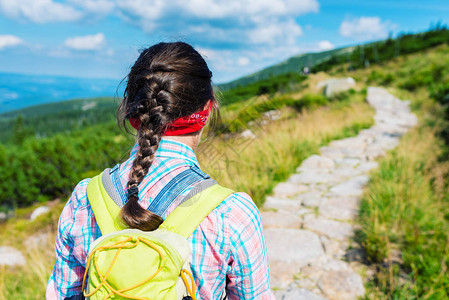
<point>183,125</point>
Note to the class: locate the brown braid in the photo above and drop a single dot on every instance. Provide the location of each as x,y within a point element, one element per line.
<point>168,81</point>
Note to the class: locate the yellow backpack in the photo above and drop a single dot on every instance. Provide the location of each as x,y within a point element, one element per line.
<point>133,264</point>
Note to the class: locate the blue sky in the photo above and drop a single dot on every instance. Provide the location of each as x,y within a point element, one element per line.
<point>101,38</point>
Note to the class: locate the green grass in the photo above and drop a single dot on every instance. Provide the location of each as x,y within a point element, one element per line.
<point>404,214</point>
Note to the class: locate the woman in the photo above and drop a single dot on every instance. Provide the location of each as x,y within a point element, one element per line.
<point>168,99</point>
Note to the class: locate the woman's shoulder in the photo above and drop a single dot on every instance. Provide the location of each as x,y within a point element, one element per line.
<point>78,198</point>
<point>240,210</point>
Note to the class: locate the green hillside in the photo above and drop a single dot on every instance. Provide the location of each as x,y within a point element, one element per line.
<point>48,119</point>
<point>355,56</point>
<point>294,64</point>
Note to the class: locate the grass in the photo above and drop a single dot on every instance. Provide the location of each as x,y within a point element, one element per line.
<point>404,215</point>
<point>250,165</point>
<point>255,166</point>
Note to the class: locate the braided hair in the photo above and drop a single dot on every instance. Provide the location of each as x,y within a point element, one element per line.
<point>168,81</point>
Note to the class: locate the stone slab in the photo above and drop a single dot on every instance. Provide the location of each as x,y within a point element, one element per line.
<point>352,187</point>
<point>341,208</point>
<point>294,246</point>
<point>280,204</point>
<point>311,199</point>
<point>10,256</point>
<point>297,294</point>
<point>330,228</point>
<point>317,162</point>
<point>39,211</point>
<point>288,189</point>
<point>342,284</point>
<point>280,219</point>
<point>313,177</point>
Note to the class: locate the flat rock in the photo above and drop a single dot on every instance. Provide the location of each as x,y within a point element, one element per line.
<point>3,216</point>
<point>317,162</point>
<point>37,240</point>
<point>330,152</point>
<point>39,211</point>
<point>333,248</point>
<point>280,204</point>
<point>348,143</point>
<point>312,177</point>
<point>342,284</point>
<point>352,187</point>
<point>248,134</point>
<point>297,294</point>
<point>336,85</point>
<point>343,173</point>
<point>341,208</point>
<point>282,274</point>
<point>351,162</point>
<point>288,189</point>
<point>10,256</point>
<point>367,166</point>
<point>292,245</point>
<point>311,199</point>
<point>330,228</point>
<point>280,219</point>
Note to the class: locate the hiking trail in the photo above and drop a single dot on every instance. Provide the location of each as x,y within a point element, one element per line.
<point>309,221</point>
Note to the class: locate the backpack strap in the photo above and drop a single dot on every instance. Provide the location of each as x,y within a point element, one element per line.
<point>198,204</point>
<point>106,204</point>
<point>106,210</point>
<point>171,191</point>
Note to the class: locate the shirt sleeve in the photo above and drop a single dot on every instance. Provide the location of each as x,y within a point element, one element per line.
<point>248,274</point>
<point>67,276</point>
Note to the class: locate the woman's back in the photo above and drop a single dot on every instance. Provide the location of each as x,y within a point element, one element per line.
<point>228,247</point>
<point>168,100</point>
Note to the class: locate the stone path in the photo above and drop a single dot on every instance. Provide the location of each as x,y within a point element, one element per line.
<point>308,222</point>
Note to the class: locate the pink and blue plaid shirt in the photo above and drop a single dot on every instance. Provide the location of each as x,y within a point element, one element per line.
<point>228,247</point>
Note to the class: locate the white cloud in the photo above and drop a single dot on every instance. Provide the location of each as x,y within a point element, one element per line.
<point>325,45</point>
<point>243,61</point>
<point>9,41</point>
<point>39,11</point>
<point>214,9</point>
<point>236,36</point>
<point>100,7</point>
<point>365,28</point>
<point>275,33</point>
<point>231,21</point>
<point>87,42</point>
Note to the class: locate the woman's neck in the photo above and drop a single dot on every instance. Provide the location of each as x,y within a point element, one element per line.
<point>190,140</point>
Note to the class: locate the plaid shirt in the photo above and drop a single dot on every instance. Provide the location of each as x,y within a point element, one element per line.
<point>228,247</point>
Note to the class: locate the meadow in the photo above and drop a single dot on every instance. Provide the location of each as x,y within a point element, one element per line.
<point>404,217</point>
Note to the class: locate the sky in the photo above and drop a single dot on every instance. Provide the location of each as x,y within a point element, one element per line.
<point>102,38</point>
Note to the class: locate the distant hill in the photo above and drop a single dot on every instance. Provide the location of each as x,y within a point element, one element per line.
<point>356,56</point>
<point>45,120</point>
<point>19,90</point>
<point>75,106</point>
<point>50,118</point>
<point>294,64</point>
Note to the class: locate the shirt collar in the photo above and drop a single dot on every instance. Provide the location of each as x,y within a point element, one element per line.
<point>172,149</point>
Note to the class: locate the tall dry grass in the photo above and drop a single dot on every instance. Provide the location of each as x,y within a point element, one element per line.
<point>256,165</point>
